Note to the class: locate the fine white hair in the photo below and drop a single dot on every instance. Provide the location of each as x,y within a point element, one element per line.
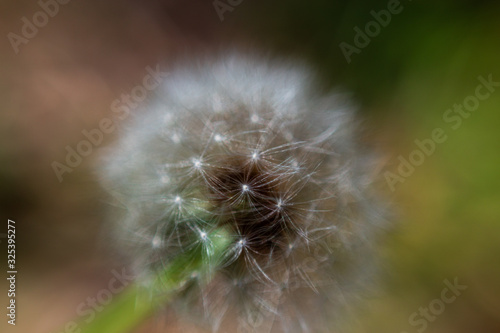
<point>249,144</point>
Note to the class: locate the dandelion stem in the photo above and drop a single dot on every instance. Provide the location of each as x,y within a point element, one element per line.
<point>138,303</point>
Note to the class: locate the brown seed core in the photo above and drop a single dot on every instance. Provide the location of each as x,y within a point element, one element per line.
<point>246,196</point>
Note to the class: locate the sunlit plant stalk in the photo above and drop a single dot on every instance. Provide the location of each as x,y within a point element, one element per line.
<point>137,303</point>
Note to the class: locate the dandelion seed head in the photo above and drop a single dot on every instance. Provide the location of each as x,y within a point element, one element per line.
<point>292,185</point>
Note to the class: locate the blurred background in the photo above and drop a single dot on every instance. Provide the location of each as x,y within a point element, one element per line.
<point>65,76</point>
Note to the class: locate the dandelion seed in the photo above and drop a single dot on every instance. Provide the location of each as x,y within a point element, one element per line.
<point>197,163</point>
<point>295,165</point>
<point>167,118</point>
<point>156,241</point>
<point>218,138</point>
<point>165,179</point>
<point>176,138</point>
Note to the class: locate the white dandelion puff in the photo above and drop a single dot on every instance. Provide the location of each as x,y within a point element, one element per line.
<point>277,165</point>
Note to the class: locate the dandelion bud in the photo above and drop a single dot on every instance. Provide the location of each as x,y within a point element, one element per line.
<point>249,146</point>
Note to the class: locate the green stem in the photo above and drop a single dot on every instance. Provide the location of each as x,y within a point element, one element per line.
<point>137,303</point>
